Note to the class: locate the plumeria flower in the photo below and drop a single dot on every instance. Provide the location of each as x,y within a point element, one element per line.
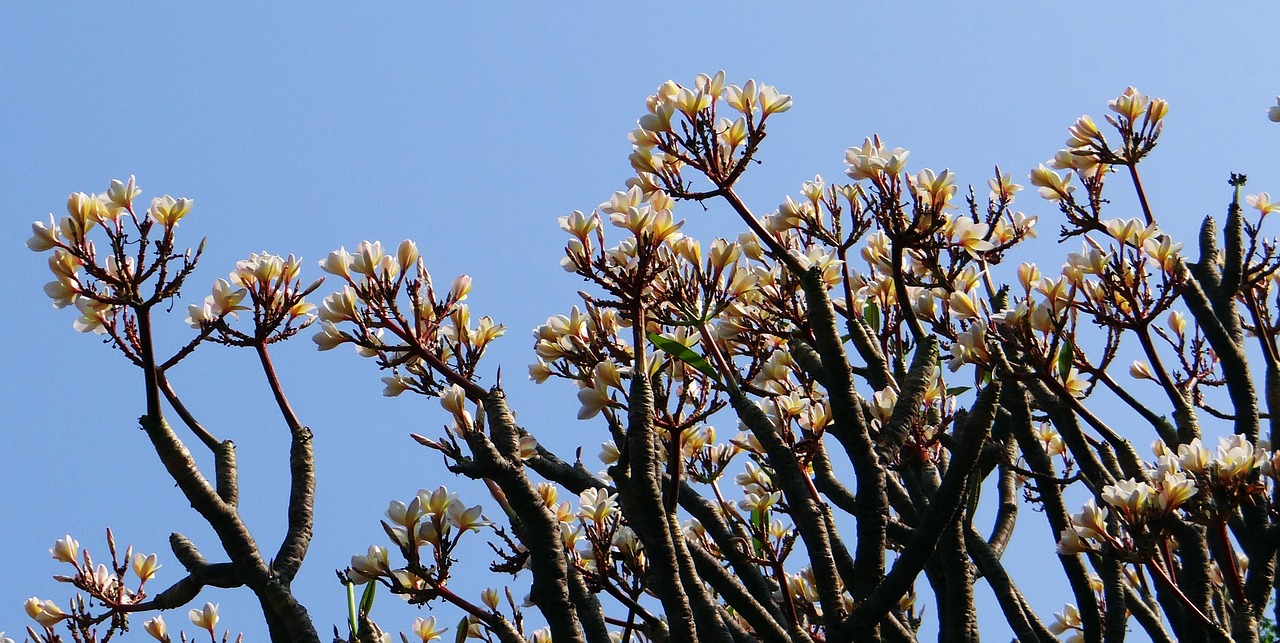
<point>1139,370</point>
<point>425,629</point>
<point>167,211</point>
<point>1130,104</point>
<point>1132,231</point>
<point>528,447</point>
<point>93,316</point>
<point>1052,440</point>
<point>338,263</point>
<point>367,258</point>
<point>371,565</point>
<point>1067,619</point>
<point>1070,542</point>
<point>205,618</point>
<point>596,505</point>
<point>540,371</point>
<point>1194,457</point>
<point>122,193</point>
<point>968,235</point>
<point>872,160</point>
<point>742,98</point>
<point>882,403</point>
<point>1003,188</point>
<point>760,502</point>
<point>1235,457</point>
<point>594,398</point>
<point>145,566</point>
<point>1084,134</point>
<point>454,400</point>
<point>1130,497</point>
<point>437,502</point>
<point>404,515</point>
<point>609,453</point>
<point>467,519</point>
<point>394,385</point>
<point>43,237</point>
<point>964,305</point>
<point>1261,201</point>
<point>490,598</point>
<point>65,550</point>
<point>935,191</point>
<point>1092,520</point>
<point>1175,489</point>
<point>46,612</point>
<point>772,102</point>
<point>329,336</point>
<point>1052,186</point>
<point>157,629</point>
<point>1164,251</point>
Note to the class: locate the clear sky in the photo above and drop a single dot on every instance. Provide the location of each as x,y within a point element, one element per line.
<point>299,128</point>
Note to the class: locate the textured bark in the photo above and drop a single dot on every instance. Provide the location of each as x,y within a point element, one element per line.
<point>640,493</point>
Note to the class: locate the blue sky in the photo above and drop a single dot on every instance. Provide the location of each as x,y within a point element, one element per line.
<point>297,130</point>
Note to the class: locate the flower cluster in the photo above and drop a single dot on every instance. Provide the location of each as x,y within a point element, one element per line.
<point>390,311</point>
<point>834,312</point>
<point>687,126</point>
<point>105,583</point>
<point>1194,482</point>
<point>434,519</point>
<point>276,296</point>
<point>138,268</point>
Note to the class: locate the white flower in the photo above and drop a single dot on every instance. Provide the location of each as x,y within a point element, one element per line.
<point>206,618</point>
<point>65,550</point>
<point>596,504</point>
<point>156,628</point>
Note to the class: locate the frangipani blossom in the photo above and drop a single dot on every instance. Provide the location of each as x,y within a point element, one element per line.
<point>46,612</point>
<point>145,566</point>
<point>65,550</point>
<point>1261,201</point>
<point>595,505</point>
<point>1052,186</point>
<point>167,211</point>
<point>594,398</point>
<point>426,630</point>
<point>156,628</point>
<point>205,618</point>
<point>964,232</point>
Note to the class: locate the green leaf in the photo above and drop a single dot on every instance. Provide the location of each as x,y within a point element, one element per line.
<point>871,313</point>
<point>351,606</point>
<point>1065,356</point>
<point>461,636</point>
<point>757,519</point>
<point>684,354</point>
<point>957,390</point>
<point>971,496</point>
<point>366,600</point>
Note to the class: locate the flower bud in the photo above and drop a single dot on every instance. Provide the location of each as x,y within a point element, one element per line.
<point>461,286</point>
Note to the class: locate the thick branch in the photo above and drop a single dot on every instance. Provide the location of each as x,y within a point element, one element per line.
<point>540,532</point>
<point>640,493</point>
<point>1025,624</point>
<point>923,372</point>
<point>302,480</point>
<point>943,506</point>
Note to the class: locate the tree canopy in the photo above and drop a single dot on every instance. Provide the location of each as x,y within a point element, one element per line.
<point>887,370</point>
